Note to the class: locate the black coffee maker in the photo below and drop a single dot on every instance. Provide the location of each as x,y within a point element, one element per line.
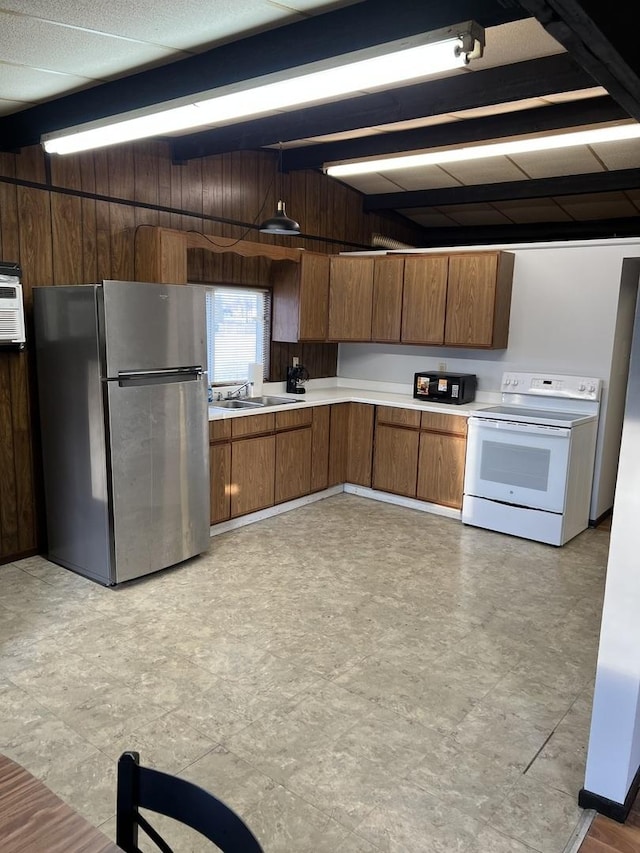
<point>296,377</point>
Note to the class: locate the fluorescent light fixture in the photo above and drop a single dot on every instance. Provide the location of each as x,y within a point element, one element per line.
<point>492,149</point>
<point>365,70</point>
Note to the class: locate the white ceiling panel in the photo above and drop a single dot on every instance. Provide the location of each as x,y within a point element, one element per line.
<point>413,124</point>
<point>579,95</point>
<point>598,206</point>
<point>373,183</point>
<point>498,109</point>
<point>424,178</point>
<point>562,161</point>
<point>33,83</point>
<point>532,210</point>
<point>516,42</point>
<point>619,155</point>
<point>30,41</point>
<point>7,107</point>
<point>200,23</point>
<point>430,219</point>
<point>474,214</point>
<point>492,170</point>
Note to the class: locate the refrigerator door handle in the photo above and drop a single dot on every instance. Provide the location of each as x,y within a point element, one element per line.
<point>129,378</point>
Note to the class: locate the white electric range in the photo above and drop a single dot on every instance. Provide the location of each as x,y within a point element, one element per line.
<point>530,461</point>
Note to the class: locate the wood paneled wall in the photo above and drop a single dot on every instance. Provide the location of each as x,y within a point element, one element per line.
<point>62,239</point>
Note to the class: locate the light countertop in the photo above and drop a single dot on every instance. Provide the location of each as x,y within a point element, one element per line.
<point>325,396</point>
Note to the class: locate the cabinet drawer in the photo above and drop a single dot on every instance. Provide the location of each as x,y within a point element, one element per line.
<point>220,430</point>
<point>293,418</point>
<point>438,422</point>
<point>398,417</point>
<point>252,425</point>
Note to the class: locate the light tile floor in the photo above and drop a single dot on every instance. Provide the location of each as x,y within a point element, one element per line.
<point>349,676</point>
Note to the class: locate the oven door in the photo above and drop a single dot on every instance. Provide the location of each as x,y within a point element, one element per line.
<point>517,463</point>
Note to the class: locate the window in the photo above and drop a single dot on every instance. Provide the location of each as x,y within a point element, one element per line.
<point>238,332</point>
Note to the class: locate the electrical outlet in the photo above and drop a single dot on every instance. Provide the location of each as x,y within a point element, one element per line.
<point>296,361</point>
<point>442,367</point>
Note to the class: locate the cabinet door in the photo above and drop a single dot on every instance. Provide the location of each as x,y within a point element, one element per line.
<point>293,464</point>
<point>314,297</point>
<point>320,447</point>
<point>424,299</point>
<point>252,474</point>
<point>350,299</point>
<point>220,482</point>
<point>387,299</point>
<point>360,450</point>
<point>395,460</point>
<point>479,299</point>
<point>441,468</point>
<point>338,443</point>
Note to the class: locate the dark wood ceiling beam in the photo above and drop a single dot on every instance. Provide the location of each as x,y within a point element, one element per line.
<point>519,81</point>
<point>531,232</point>
<point>597,35</point>
<point>318,37</point>
<point>592,182</point>
<point>501,126</point>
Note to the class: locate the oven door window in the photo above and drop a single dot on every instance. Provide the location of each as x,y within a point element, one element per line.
<point>518,466</point>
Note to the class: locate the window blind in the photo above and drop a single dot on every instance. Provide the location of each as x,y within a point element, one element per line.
<point>238,331</point>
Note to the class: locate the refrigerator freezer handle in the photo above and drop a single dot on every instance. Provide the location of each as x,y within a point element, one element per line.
<point>128,378</point>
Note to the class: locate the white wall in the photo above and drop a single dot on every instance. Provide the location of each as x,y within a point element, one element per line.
<point>614,743</point>
<point>564,312</point>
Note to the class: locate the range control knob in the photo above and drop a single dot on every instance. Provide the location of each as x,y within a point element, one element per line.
<point>581,386</point>
<point>515,381</point>
<point>592,389</point>
<point>507,382</point>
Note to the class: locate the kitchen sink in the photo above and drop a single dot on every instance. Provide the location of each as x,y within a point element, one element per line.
<point>252,402</point>
<point>237,404</point>
<point>272,401</point>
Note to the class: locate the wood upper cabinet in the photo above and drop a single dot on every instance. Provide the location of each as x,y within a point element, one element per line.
<point>479,299</point>
<point>395,460</point>
<point>424,299</point>
<point>350,298</point>
<point>300,299</point>
<point>320,447</point>
<point>252,474</point>
<point>387,299</point>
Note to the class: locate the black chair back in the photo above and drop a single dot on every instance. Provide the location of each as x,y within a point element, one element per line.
<point>144,788</point>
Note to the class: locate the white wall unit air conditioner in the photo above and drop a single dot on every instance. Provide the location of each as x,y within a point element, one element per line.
<point>12,328</point>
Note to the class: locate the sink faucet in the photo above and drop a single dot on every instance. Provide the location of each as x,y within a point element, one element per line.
<point>236,393</point>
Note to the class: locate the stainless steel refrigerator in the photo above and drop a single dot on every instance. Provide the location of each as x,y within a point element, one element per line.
<point>123,411</point>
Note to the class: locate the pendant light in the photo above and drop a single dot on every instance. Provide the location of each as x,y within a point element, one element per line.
<point>280,223</point>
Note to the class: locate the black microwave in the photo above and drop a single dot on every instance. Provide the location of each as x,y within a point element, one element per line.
<point>445,387</point>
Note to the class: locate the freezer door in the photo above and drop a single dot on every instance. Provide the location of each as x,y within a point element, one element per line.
<point>159,456</point>
<point>152,326</point>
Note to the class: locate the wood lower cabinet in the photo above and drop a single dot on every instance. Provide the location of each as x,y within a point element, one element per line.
<point>252,474</point>
<point>293,464</point>
<point>320,426</point>
<point>338,443</point>
<point>395,460</point>
<point>350,298</point>
<point>360,444</point>
<point>441,468</point>
<point>220,481</point>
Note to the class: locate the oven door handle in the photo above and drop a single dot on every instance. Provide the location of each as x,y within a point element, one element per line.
<point>517,426</point>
